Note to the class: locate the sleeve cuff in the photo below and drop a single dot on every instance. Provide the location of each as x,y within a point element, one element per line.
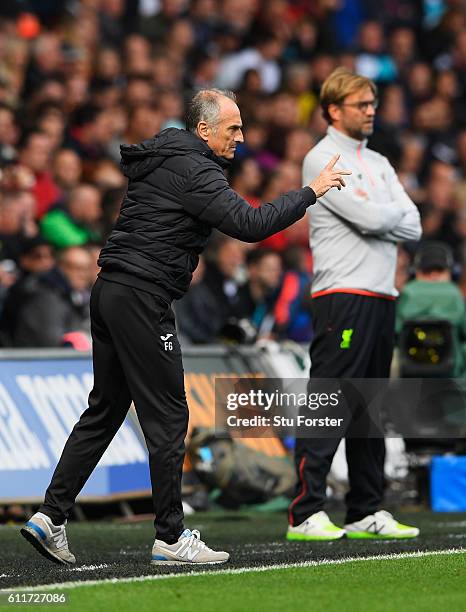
<point>309,195</point>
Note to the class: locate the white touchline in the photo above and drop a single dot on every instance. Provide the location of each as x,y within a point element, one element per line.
<point>239,570</point>
<point>86,568</point>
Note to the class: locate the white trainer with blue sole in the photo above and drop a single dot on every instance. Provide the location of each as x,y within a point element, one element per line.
<point>189,549</point>
<point>48,539</point>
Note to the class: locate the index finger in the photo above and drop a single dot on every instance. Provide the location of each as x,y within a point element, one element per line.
<point>332,162</point>
<point>344,172</point>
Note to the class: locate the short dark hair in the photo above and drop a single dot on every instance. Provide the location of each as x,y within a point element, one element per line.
<point>27,136</point>
<point>204,106</point>
<point>86,114</point>
<point>255,256</point>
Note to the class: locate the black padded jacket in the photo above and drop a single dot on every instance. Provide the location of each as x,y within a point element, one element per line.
<point>177,193</point>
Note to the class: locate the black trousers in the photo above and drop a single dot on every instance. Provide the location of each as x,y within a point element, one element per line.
<point>354,337</point>
<point>136,356</point>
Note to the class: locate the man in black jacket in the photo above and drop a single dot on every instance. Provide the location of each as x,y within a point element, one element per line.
<point>177,193</point>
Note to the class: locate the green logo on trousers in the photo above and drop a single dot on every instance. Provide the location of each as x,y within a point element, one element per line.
<point>346,336</point>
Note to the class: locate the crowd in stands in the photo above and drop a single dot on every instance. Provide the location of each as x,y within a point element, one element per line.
<point>79,77</point>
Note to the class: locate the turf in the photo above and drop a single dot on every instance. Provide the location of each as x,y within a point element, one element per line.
<point>108,550</point>
<point>417,584</point>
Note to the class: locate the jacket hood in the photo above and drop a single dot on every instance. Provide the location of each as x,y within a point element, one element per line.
<point>137,160</point>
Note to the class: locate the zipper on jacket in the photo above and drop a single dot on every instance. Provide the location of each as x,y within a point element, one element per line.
<point>364,166</point>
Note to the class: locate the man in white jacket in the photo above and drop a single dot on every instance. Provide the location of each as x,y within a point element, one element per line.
<point>354,237</point>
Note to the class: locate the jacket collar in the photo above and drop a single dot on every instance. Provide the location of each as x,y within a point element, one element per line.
<point>223,162</point>
<point>205,150</point>
<point>346,142</point>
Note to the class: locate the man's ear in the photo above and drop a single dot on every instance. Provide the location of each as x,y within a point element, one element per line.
<point>334,111</point>
<point>203,130</point>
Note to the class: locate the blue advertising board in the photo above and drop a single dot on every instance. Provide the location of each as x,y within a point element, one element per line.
<point>448,484</point>
<point>40,402</point>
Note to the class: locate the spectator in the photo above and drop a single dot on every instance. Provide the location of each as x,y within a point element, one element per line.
<point>302,47</point>
<point>51,120</point>
<point>297,145</point>
<point>410,166</point>
<point>179,40</point>
<point>143,122</point>
<point>75,222</point>
<point>154,27</point>
<point>57,303</point>
<point>67,170</point>
<point>35,257</point>
<point>91,133</point>
<point>107,65</point>
<point>257,297</point>
<point>298,79</point>
<point>439,214</point>
<point>35,153</point>
<point>139,91</point>
<point>292,308</point>
<point>137,51</point>
<point>391,119</point>
<point>372,60</point>
<point>263,57</point>
<point>107,174</point>
<point>203,16</point>
<point>204,71</point>
<point>8,134</point>
<point>16,223</point>
<point>204,311</point>
<point>403,49</point>
<point>246,178</point>
<point>47,61</point>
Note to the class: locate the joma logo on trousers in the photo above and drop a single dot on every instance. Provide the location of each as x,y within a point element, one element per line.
<point>168,346</point>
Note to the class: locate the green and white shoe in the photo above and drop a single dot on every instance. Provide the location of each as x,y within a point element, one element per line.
<point>380,526</point>
<point>316,527</point>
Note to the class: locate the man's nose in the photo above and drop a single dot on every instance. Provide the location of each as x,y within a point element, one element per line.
<point>239,137</point>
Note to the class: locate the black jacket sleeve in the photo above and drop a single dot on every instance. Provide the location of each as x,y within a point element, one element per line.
<point>209,197</point>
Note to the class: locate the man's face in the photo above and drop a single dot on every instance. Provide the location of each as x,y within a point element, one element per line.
<point>67,168</point>
<point>224,137</point>
<point>85,204</point>
<point>39,259</point>
<point>36,155</point>
<point>8,130</point>
<point>230,258</point>
<point>76,266</point>
<point>267,272</point>
<point>355,115</point>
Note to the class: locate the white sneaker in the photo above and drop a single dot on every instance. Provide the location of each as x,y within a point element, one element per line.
<point>316,527</point>
<point>189,549</point>
<point>49,539</point>
<point>380,526</point>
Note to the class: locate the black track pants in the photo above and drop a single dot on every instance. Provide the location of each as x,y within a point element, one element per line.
<point>354,338</point>
<point>136,356</point>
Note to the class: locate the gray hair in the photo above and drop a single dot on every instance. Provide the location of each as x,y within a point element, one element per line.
<point>204,106</point>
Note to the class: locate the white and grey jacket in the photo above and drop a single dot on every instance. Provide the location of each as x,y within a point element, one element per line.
<point>354,231</point>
